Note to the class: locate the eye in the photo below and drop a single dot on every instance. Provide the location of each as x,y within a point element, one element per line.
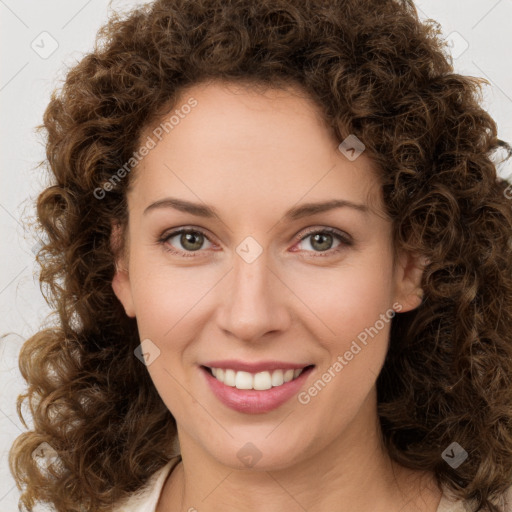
<point>322,240</point>
<point>185,240</point>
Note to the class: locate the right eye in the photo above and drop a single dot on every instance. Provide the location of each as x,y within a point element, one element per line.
<point>188,241</point>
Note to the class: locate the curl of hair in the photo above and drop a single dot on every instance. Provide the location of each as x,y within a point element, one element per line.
<point>375,71</point>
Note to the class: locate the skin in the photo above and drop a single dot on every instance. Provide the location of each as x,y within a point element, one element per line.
<point>252,156</point>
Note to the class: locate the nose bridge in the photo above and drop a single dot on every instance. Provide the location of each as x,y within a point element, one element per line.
<point>255,304</point>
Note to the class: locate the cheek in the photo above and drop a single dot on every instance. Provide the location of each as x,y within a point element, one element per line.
<point>355,307</point>
<point>167,301</point>
<point>167,297</point>
<point>342,302</point>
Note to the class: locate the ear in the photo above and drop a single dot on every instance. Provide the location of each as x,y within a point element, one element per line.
<point>408,274</point>
<point>121,280</point>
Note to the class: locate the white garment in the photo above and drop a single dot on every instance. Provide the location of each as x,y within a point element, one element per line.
<point>146,498</point>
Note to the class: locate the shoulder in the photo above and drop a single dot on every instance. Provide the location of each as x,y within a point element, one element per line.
<point>146,498</point>
<point>449,503</point>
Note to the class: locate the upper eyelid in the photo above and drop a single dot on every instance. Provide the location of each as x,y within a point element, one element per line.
<point>185,229</point>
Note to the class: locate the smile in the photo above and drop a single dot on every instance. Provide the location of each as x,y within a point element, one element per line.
<point>257,391</point>
<point>259,381</point>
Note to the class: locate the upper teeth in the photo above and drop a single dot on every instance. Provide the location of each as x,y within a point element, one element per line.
<point>259,381</point>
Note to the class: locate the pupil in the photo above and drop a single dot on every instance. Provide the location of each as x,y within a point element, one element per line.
<point>319,236</point>
<point>187,241</point>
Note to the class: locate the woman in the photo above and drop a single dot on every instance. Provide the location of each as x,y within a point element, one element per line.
<point>280,254</point>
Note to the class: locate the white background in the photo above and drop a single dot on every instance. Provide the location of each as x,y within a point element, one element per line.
<point>26,81</point>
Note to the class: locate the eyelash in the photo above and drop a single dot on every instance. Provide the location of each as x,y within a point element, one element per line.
<point>344,239</point>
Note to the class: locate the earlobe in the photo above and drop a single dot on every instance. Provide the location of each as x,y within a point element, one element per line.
<point>409,293</point>
<point>121,280</point>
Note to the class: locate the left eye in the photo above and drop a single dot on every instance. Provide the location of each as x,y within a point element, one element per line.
<point>322,241</point>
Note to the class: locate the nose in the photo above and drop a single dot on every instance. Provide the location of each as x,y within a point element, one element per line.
<point>253,302</point>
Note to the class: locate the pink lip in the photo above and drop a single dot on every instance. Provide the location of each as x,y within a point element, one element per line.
<point>261,366</point>
<point>251,401</point>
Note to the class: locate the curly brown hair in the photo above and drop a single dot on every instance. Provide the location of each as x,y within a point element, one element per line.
<point>376,71</point>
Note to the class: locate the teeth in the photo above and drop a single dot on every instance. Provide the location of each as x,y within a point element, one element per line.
<point>258,381</point>
<point>243,380</point>
<point>229,378</point>
<point>277,378</point>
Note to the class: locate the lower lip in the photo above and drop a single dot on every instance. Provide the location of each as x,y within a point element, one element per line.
<point>251,401</point>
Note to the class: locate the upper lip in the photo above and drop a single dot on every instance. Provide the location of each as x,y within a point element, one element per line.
<point>255,367</point>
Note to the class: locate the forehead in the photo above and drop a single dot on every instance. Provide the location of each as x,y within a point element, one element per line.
<point>242,116</point>
<point>247,146</point>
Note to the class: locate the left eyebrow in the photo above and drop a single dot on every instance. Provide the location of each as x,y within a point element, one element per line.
<point>307,209</point>
<point>298,212</point>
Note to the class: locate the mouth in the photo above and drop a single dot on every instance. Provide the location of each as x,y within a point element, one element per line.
<point>256,392</point>
<point>258,381</point>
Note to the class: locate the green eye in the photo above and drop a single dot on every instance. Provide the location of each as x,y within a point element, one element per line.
<point>190,240</point>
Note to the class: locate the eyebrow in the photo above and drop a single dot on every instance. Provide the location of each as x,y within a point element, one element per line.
<point>298,212</point>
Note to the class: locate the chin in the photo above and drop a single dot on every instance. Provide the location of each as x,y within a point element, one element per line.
<point>254,456</point>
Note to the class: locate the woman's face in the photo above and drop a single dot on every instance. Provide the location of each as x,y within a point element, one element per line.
<point>261,282</point>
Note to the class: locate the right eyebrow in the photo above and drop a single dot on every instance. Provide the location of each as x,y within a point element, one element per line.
<point>183,206</point>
